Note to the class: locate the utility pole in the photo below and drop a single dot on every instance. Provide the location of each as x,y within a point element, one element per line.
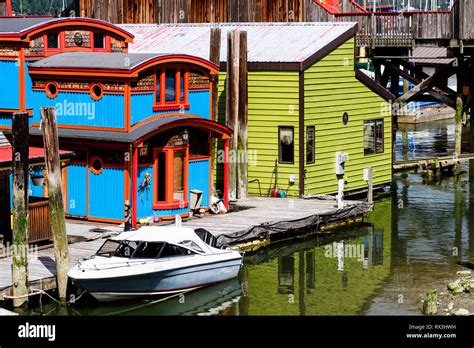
<point>55,194</point>
<point>20,156</point>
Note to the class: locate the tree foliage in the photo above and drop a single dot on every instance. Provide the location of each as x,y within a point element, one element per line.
<point>38,7</point>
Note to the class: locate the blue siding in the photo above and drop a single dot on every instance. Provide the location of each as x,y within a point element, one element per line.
<point>9,88</point>
<point>142,104</point>
<point>106,194</point>
<point>28,87</point>
<point>199,179</point>
<point>76,190</point>
<point>145,198</point>
<point>200,103</point>
<point>79,109</point>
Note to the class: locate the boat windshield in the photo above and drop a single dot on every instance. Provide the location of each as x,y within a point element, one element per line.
<point>117,248</point>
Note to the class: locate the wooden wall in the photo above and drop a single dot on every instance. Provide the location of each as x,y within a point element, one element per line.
<point>196,11</point>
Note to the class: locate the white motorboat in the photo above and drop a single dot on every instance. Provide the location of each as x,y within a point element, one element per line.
<point>154,261</point>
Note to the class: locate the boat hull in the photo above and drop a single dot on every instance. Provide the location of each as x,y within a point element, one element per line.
<point>161,282</point>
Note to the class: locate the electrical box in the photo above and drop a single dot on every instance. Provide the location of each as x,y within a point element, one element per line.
<point>341,159</point>
<point>367,173</point>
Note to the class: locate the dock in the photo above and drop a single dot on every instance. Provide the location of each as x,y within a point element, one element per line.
<point>252,223</point>
<point>432,163</point>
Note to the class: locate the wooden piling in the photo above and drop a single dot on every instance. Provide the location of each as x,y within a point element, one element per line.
<point>242,173</point>
<point>232,106</point>
<point>458,129</point>
<point>215,57</point>
<point>56,203</point>
<point>20,156</point>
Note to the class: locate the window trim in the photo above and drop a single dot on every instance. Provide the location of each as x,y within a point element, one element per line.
<point>106,48</point>
<point>91,162</point>
<point>375,120</point>
<point>313,128</point>
<point>93,95</point>
<point>48,93</point>
<point>169,202</point>
<point>177,103</point>
<point>61,40</point>
<point>279,144</point>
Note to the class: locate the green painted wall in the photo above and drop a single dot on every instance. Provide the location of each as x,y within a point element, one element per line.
<point>331,89</point>
<point>273,102</point>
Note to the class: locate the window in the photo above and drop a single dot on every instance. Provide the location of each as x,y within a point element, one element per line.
<point>373,137</point>
<point>148,250</point>
<point>171,172</point>
<point>96,165</point>
<point>96,91</point>
<point>191,245</point>
<point>117,248</point>
<point>310,145</point>
<point>286,145</point>
<point>53,41</point>
<point>171,89</point>
<point>51,89</point>
<point>99,40</point>
<point>170,250</point>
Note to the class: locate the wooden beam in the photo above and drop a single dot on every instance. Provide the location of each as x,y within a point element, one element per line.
<point>438,96</point>
<point>55,195</point>
<point>20,157</point>
<point>431,81</point>
<point>242,178</point>
<point>420,75</point>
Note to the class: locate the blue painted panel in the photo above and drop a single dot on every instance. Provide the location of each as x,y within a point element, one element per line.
<point>28,86</point>
<point>76,189</point>
<point>79,109</point>
<point>145,195</point>
<point>145,198</point>
<point>200,103</point>
<point>106,194</point>
<point>199,179</point>
<point>9,88</point>
<point>142,105</point>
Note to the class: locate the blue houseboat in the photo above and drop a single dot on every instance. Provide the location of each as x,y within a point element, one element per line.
<point>139,124</point>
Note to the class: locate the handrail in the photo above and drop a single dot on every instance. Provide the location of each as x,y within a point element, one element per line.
<point>368,12</point>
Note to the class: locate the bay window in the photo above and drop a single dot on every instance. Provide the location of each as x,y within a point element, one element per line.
<point>171,88</point>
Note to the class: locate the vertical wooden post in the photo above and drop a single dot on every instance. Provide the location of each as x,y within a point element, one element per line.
<point>134,186</point>
<point>55,195</point>
<point>242,174</point>
<point>226,173</point>
<point>215,57</point>
<point>368,176</point>
<point>20,156</point>
<point>458,129</point>
<point>232,105</point>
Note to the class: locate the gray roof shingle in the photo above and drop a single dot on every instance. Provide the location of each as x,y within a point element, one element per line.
<point>95,60</point>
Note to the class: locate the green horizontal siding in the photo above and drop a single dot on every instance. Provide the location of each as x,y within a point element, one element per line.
<point>331,89</point>
<point>273,101</point>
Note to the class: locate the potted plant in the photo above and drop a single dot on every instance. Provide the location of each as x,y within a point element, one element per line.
<point>37,177</point>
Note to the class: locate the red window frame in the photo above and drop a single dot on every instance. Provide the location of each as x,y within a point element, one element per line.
<point>169,202</point>
<point>61,42</point>
<point>177,103</point>
<point>107,47</point>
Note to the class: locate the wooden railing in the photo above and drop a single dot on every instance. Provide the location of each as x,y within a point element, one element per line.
<point>39,223</point>
<point>399,29</point>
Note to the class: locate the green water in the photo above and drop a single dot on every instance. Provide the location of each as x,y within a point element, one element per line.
<point>409,244</point>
